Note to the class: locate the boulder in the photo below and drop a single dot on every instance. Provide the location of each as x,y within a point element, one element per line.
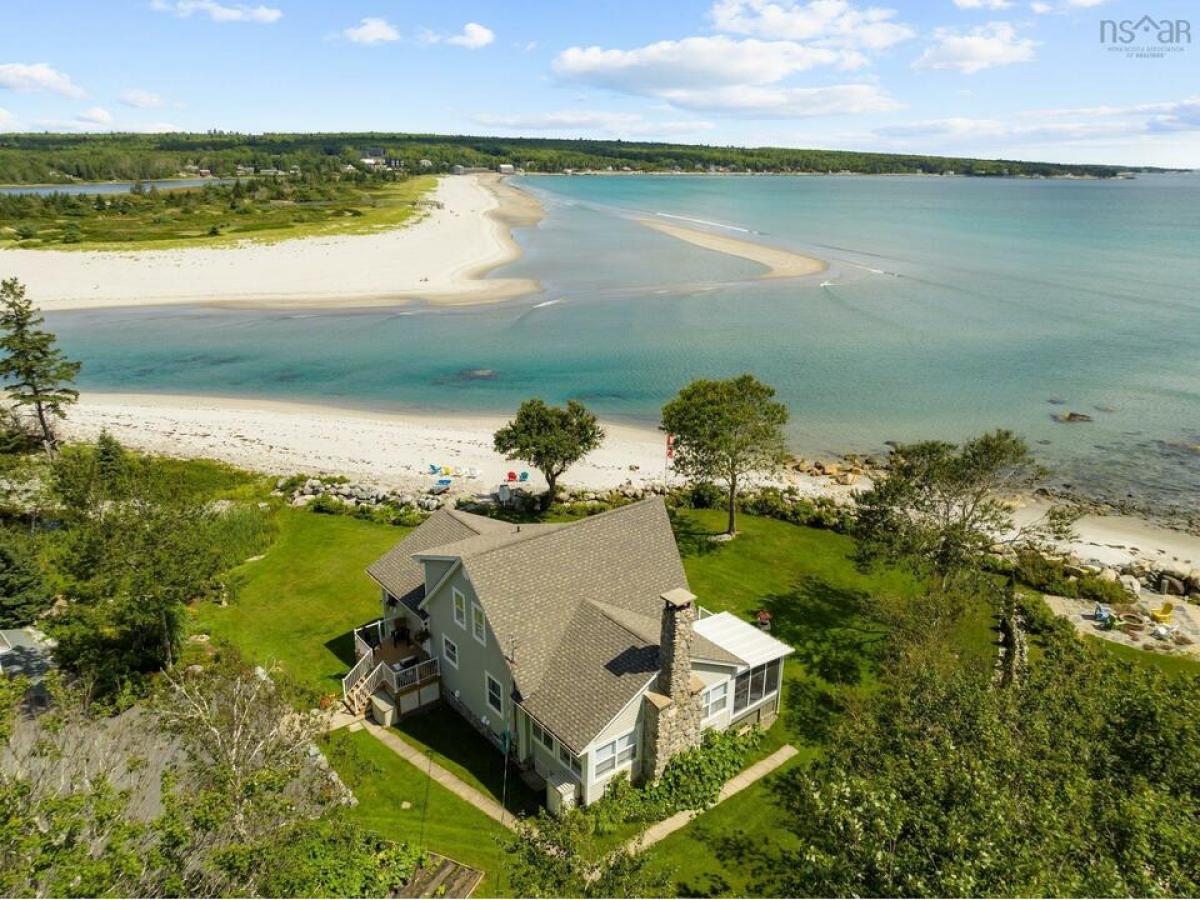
<point>1193,582</point>
<point>1131,584</point>
<point>1110,575</point>
<point>846,478</point>
<point>1169,584</point>
<point>304,499</point>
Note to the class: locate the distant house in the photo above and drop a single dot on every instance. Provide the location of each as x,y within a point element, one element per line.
<point>576,647</point>
<point>467,170</point>
<point>505,169</point>
<point>425,163</point>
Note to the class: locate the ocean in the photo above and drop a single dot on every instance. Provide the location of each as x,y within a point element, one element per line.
<point>951,306</point>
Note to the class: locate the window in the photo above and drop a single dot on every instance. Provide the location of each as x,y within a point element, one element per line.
<point>569,760</point>
<point>495,693</point>
<point>449,651</point>
<point>541,735</point>
<point>616,754</point>
<point>715,699</point>
<point>460,607</point>
<point>478,624</point>
<point>755,685</point>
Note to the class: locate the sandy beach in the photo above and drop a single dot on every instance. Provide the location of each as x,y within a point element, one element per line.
<point>780,263</point>
<point>441,258</point>
<point>396,450</point>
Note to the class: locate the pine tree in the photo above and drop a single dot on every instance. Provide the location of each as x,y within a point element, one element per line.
<point>33,369</point>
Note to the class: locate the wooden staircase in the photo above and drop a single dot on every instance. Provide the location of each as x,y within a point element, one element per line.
<point>442,877</point>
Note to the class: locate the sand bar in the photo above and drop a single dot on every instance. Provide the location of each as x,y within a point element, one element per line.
<point>780,263</point>
<point>442,258</point>
<point>396,450</point>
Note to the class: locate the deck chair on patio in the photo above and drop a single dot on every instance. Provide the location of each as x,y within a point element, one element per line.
<point>1162,615</point>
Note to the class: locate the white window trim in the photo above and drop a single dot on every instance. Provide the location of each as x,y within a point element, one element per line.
<point>487,694</point>
<point>566,766</point>
<point>547,741</point>
<point>727,697</point>
<point>458,597</point>
<point>446,656</point>
<point>482,636</point>
<point>738,713</point>
<point>618,766</point>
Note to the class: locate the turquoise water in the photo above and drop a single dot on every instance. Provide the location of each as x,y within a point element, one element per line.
<point>951,306</point>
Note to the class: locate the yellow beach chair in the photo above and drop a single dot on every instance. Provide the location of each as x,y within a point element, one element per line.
<point>1163,614</point>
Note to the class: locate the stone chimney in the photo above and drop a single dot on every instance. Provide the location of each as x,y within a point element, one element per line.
<point>672,706</point>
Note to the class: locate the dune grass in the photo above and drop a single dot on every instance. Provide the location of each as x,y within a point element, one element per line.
<point>207,218</point>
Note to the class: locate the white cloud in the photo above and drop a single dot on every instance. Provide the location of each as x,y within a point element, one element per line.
<point>1041,8</point>
<point>693,62</point>
<point>220,12</point>
<point>473,37</point>
<point>740,77</point>
<point>371,30</point>
<point>614,123</point>
<point>8,122</point>
<point>96,115</point>
<point>1060,125</point>
<point>983,47</point>
<point>983,4</point>
<point>833,23</point>
<point>38,77</point>
<point>771,102</point>
<point>140,99</point>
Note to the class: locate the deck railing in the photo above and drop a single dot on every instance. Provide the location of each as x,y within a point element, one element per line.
<point>361,647</point>
<point>413,675</point>
<point>361,668</point>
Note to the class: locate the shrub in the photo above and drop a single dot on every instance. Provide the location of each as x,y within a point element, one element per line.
<point>692,780</point>
<point>704,495</point>
<point>329,505</point>
<point>1039,619</point>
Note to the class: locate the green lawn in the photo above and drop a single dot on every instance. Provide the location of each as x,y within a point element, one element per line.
<point>435,818</point>
<point>299,604</point>
<point>456,746</point>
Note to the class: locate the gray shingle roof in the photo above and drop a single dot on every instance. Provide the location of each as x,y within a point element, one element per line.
<point>576,607</point>
<point>401,575</point>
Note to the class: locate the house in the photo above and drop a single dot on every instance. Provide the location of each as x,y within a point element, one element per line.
<point>505,169</point>
<point>578,647</point>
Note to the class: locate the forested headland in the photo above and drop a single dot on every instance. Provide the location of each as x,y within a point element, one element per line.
<point>63,158</point>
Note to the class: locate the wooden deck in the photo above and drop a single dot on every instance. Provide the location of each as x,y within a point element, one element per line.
<point>442,877</point>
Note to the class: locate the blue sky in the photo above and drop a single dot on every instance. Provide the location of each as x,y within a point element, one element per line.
<point>1010,78</point>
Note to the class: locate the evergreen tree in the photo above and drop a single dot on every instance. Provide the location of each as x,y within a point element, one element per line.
<point>35,371</point>
<point>23,590</point>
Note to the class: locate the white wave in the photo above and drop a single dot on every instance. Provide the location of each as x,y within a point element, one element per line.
<point>705,222</point>
<point>547,303</point>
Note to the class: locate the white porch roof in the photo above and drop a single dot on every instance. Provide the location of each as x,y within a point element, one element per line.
<point>741,638</point>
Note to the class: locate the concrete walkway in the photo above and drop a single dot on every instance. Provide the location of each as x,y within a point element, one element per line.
<point>442,776</point>
<point>739,782</point>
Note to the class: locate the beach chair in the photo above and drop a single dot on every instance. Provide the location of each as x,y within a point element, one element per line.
<point>442,485</point>
<point>524,476</point>
<point>512,476</point>
<point>1162,615</point>
<point>1102,614</point>
<point>435,469</point>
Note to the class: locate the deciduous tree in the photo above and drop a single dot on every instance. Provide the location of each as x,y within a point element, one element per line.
<point>941,508</point>
<point>549,438</point>
<point>724,430</point>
